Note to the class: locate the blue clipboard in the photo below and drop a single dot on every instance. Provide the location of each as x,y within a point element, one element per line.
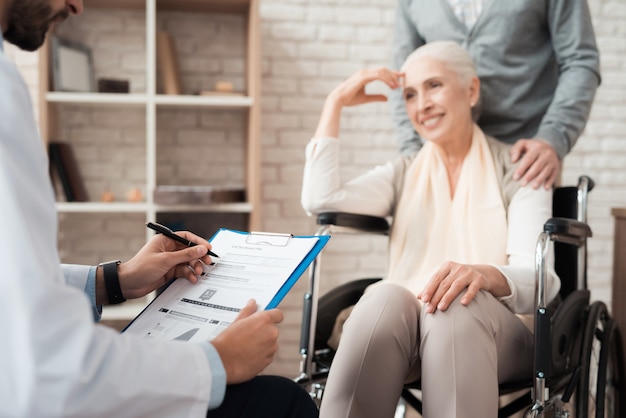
<point>267,238</point>
<point>264,238</point>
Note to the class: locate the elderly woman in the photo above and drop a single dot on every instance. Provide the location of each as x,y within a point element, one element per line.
<point>461,250</point>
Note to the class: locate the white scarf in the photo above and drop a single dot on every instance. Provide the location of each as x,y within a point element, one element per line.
<point>430,227</point>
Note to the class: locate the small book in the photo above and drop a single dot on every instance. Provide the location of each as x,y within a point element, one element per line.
<point>63,162</point>
<point>259,266</point>
<point>168,64</point>
<point>57,168</point>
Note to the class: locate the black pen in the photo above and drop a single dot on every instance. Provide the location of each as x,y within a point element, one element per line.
<point>170,234</point>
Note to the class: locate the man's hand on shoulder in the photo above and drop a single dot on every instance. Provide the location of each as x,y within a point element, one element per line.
<point>539,163</point>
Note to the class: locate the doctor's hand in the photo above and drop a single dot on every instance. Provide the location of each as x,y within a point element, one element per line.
<point>453,278</point>
<point>160,260</point>
<point>248,345</point>
<point>539,163</point>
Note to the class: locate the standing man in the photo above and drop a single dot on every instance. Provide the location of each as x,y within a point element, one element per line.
<point>539,69</point>
<point>54,361</point>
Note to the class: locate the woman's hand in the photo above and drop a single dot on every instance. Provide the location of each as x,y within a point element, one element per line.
<point>454,278</point>
<point>160,260</point>
<point>351,92</point>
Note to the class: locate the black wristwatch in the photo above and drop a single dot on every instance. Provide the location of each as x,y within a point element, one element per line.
<point>112,282</point>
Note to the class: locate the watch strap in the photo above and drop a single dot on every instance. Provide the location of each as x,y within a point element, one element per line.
<point>112,282</point>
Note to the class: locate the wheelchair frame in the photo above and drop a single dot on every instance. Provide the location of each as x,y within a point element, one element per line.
<point>539,397</point>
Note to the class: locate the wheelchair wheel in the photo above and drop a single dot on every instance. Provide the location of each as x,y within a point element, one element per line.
<point>598,392</point>
<point>610,375</point>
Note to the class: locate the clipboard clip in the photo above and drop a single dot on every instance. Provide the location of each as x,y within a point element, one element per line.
<point>268,238</point>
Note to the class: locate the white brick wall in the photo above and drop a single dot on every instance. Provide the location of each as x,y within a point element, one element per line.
<point>308,47</point>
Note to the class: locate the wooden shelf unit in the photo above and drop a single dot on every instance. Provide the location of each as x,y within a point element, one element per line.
<point>151,101</point>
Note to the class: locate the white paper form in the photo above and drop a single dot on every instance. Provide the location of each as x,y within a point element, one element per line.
<point>250,266</point>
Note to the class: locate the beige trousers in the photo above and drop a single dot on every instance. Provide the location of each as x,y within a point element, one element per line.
<point>460,355</point>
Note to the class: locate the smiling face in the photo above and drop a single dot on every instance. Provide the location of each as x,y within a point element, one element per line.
<point>438,103</point>
<point>30,20</point>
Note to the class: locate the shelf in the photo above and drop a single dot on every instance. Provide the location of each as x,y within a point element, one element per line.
<point>202,6</point>
<point>217,101</point>
<point>115,4</point>
<point>205,6</point>
<point>143,138</point>
<point>221,207</point>
<point>226,101</point>
<point>100,207</point>
<point>97,98</point>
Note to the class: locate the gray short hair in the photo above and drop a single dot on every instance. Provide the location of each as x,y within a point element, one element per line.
<point>450,53</point>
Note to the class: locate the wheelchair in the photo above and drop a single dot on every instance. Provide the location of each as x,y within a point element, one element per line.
<point>578,370</point>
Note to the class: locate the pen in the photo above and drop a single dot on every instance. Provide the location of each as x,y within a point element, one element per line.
<point>170,234</point>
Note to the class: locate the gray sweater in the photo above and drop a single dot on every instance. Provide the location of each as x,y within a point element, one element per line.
<point>537,61</point>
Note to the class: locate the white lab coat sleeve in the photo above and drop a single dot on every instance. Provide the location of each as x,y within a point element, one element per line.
<point>54,360</point>
<point>76,275</point>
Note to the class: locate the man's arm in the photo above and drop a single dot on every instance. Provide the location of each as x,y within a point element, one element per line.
<point>406,39</point>
<point>574,45</point>
<point>577,55</point>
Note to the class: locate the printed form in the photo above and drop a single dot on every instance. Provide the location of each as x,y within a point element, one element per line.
<point>255,266</point>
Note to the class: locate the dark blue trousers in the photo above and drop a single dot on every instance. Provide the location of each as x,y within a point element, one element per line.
<point>266,397</point>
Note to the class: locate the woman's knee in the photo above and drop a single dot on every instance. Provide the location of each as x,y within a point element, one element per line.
<point>385,307</point>
<point>458,321</point>
<point>387,299</point>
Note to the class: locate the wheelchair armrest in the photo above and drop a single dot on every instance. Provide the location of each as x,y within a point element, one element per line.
<point>365,223</point>
<point>567,230</point>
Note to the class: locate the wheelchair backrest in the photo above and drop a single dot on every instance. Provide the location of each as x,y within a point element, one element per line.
<point>565,204</point>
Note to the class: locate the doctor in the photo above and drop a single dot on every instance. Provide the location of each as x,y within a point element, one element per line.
<point>54,361</point>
